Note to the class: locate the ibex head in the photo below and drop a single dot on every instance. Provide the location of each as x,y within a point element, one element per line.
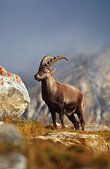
<point>44,68</point>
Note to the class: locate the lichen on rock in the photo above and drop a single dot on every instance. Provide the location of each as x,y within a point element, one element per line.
<point>14,97</point>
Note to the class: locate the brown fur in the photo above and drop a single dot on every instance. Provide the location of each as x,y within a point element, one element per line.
<point>63,99</point>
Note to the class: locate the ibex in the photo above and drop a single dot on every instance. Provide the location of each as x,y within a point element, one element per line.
<point>61,98</point>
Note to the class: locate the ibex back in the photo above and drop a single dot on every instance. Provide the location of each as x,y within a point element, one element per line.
<point>61,98</point>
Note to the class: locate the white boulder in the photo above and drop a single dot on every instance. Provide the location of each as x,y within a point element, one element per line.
<point>14,97</point>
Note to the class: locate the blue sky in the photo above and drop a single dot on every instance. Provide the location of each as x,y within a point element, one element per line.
<point>31,29</point>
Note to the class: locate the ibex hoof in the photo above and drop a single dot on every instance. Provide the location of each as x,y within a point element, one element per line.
<point>53,127</point>
<point>63,127</point>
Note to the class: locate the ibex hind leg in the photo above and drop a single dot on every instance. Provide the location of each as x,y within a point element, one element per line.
<point>74,121</point>
<point>80,116</point>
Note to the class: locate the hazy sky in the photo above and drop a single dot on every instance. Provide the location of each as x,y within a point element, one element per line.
<point>31,29</point>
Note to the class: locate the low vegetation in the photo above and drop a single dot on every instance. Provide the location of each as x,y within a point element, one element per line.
<point>55,155</point>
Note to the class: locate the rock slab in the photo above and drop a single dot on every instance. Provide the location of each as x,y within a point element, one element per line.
<point>14,97</point>
<point>92,141</point>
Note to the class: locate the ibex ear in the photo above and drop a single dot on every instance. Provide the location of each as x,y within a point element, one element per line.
<point>52,70</point>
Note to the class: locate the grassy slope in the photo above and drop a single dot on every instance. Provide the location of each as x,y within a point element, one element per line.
<point>51,155</point>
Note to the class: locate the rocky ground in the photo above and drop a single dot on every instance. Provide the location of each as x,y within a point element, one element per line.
<point>26,144</point>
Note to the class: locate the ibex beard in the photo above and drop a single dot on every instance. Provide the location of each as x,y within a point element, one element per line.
<point>60,98</point>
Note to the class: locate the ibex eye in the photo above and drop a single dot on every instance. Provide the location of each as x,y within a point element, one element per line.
<point>45,71</point>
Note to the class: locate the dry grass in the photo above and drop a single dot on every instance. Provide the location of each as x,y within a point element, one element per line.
<point>55,155</point>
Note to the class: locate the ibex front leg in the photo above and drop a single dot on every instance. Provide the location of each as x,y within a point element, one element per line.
<point>54,119</point>
<point>61,116</point>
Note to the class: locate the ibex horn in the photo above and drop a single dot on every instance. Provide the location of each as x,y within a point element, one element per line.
<point>43,61</point>
<point>55,59</point>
